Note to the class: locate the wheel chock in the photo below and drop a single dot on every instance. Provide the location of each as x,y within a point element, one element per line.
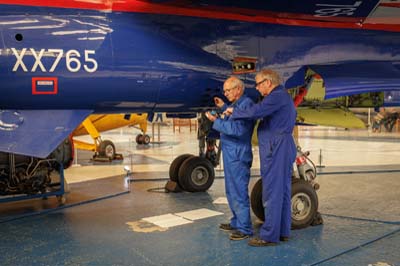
<point>118,156</point>
<point>317,219</point>
<point>105,159</point>
<point>172,186</point>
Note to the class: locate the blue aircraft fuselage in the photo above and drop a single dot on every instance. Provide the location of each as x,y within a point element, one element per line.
<point>56,58</point>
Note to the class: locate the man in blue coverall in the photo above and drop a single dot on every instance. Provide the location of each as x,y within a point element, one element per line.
<point>277,149</point>
<point>237,158</point>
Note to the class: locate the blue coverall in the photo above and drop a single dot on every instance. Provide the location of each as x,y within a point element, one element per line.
<point>237,157</point>
<point>277,154</point>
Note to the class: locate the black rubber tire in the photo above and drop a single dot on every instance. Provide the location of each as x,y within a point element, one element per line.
<point>146,139</point>
<point>304,192</point>
<point>139,139</point>
<point>301,190</point>
<point>196,174</point>
<point>175,165</point>
<point>107,149</point>
<point>256,200</point>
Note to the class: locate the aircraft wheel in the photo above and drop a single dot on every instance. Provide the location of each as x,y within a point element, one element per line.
<point>304,203</point>
<point>256,200</point>
<point>175,165</point>
<point>146,139</point>
<point>196,174</point>
<point>107,149</point>
<point>139,139</point>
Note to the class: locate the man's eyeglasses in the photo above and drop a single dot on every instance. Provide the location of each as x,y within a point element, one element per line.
<point>259,83</point>
<point>229,90</point>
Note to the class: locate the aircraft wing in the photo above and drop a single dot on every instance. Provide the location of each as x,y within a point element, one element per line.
<point>350,78</point>
<point>37,132</point>
<point>333,117</point>
<point>104,122</point>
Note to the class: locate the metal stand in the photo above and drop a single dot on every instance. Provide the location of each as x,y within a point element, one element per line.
<point>320,160</point>
<point>58,193</point>
<point>158,131</point>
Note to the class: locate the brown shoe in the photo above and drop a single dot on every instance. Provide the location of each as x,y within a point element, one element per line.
<point>237,235</point>
<point>226,227</point>
<point>258,242</point>
<point>284,238</point>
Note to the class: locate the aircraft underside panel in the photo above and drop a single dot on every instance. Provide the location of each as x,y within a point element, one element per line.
<point>37,133</point>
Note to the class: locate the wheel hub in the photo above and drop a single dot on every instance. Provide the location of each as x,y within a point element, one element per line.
<point>301,206</point>
<point>200,176</point>
<point>109,151</point>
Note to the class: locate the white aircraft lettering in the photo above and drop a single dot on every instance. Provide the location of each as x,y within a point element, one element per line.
<point>73,60</point>
<point>19,61</point>
<point>38,61</point>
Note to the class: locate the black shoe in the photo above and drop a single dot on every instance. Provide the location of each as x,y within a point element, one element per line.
<point>284,238</point>
<point>226,227</point>
<point>258,242</point>
<point>237,235</point>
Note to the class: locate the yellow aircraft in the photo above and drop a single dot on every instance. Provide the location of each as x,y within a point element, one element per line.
<point>105,149</point>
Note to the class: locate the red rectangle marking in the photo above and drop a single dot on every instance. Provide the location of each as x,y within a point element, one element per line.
<point>44,85</point>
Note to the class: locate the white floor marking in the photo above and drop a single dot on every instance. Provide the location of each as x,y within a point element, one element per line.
<point>167,220</point>
<point>380,263</point>
<point>198,214</point>
<point>221,200</point>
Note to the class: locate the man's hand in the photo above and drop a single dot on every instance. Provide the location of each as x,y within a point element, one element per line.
<point>228,111</point>
<point>218,102</point>
<point>211,117</point>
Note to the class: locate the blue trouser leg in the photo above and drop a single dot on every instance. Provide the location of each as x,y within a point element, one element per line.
<point>276,162</point>
<point>286,205</point>
<point>237,176</point>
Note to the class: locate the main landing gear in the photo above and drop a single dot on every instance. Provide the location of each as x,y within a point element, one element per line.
<point>196,173</point>
<point>143,139</point>
<point>104,150</point>
<point>304,202</point>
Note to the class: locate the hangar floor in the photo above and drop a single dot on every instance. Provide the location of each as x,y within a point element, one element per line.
<point>103,224</point>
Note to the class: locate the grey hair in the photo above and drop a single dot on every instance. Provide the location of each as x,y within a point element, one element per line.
<point>270,75</point>
<point>236,82</point>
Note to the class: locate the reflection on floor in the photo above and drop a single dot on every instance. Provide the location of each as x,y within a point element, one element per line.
<point>329,147</point>
<point>102,224</point>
